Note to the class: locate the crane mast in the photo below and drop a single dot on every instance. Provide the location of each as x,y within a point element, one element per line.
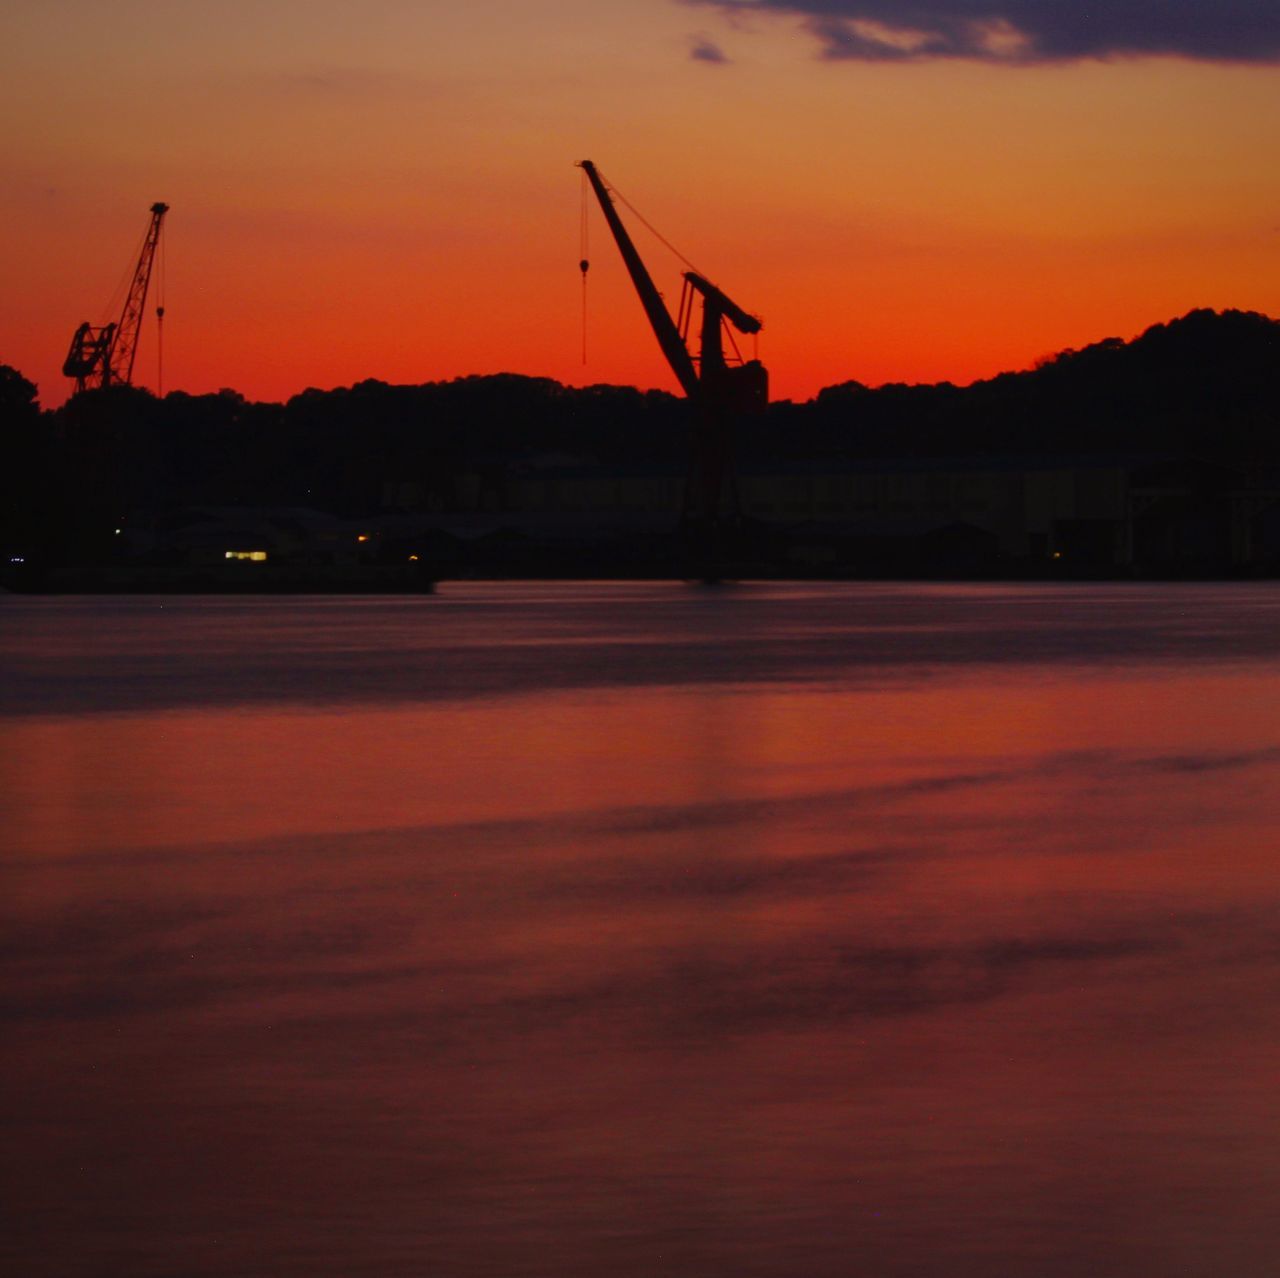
<point>721,392</point>
<point>103,356</point>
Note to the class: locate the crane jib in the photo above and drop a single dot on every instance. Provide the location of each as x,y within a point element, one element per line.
<point>709,379</point>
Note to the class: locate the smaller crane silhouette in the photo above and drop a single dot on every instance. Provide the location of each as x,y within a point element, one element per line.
<point>103,355</point>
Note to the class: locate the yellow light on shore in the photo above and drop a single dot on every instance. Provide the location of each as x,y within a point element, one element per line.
<point>256,556</point>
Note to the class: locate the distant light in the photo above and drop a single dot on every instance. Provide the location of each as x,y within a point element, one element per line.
<point>257,556</point>
<point>413,559</point>
<point>1057,554</point>
<point>119,531</point>
<point>18,559</point>
<point>363,537</point>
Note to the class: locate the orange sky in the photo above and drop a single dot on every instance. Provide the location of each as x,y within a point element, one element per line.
<point>387,190</point>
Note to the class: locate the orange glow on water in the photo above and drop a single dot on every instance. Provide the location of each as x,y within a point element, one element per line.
<point>926,942</point>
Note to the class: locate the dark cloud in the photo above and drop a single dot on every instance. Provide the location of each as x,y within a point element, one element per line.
<point>705,49</point>
<point>1026,31</point>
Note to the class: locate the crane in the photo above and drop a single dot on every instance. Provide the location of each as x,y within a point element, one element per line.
<point>721,391</point>
<point>103,355</point>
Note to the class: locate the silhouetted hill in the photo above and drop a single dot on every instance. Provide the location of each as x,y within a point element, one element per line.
<point>1205,385</point>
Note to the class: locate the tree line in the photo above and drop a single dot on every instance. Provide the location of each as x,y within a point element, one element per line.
<point>1205,386</point>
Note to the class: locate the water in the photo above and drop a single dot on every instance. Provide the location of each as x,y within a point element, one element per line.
<point>634,930</point>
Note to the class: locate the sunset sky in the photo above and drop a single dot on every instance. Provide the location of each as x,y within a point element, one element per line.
<point>903,191</point>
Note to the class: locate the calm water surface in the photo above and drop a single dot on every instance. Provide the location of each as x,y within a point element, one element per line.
<point>639,930</point>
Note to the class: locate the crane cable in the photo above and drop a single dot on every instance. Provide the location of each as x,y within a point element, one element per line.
<point>160,292</point>
<point>121,291</point>
<point>584,263</point>
<point>649,226</point>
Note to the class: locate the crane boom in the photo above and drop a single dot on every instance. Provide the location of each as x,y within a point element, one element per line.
<point>125,346</point>
<point>664,327</point>
<point>709,380</point>
<point>103,355</point>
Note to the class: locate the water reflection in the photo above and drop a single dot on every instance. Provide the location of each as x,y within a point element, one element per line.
<point>738,944</point>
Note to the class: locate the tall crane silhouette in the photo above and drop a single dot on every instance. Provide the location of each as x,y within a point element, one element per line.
<point>722,389</point>
<point>103,355</point>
